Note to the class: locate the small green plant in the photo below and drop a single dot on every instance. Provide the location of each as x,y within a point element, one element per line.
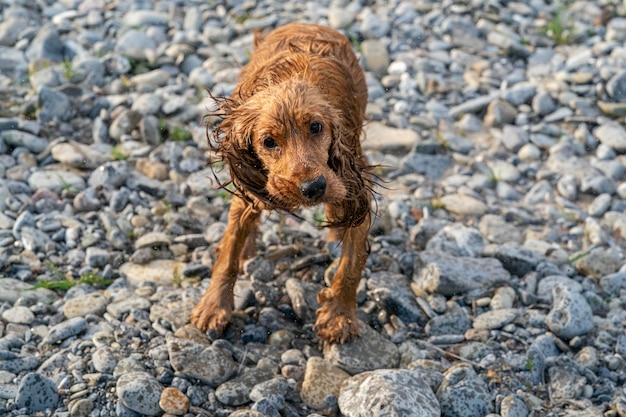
<point>117,154</point>
<point>356,42</point>
<point>241,18</point>
<point>437,203</point>
<point>65,284</point>
<point>177,277</point>
<point>530,364</point>
<point>576,258</point>
<point>178,134</point>
<point>68,69</point>
<point>167,205</point>
<point>162,125</point>
<point>561,28</point>
<point>67,187</point>
<point>319,217</point>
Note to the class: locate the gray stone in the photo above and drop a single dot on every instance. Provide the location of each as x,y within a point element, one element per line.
<point>518,260</point>
<point>438,272</point>
<point>389,392</point>
<point>570,315</point>
<point>599,263</point>
<point>369,351</point>
<point>56,180</point>
<point>393,293</point>
<point>321,380</point>
<point>567,186</point>
<point>432,166</point>
<point>513,138</point>
<point>497,230</point>
<point>78,155</point>
<point>36,393</point>
<point>499,113</point>
<point>66,329</point>
<point>375,56</point>
<point>97,257</point>
<point>17,138</point>
<point>463,204</point>
<point>463,393</point>
<point>111,174</point>
<point>612,134</point>
<point>236,391</point>
<point>191,359</point>
<point>135,44</point>
<point>495,319</point>
<point>616,87</point>
<point>47,44</point>
<point>543,103</point>
<point>457,240</point>
<point>373,26</point>
<point>54,106</point>
<point>145,18</point>
<point>18,315</point>
<point>104,360</point>
<point>565,383</point>
<point>453,322</point>
<point>140,392</point>
<point>92,303</point>
<point>520,93</point>
<point>513,406</point>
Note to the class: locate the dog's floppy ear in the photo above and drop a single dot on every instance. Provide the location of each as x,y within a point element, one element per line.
<point>344,157</point>
<point>233,141</point>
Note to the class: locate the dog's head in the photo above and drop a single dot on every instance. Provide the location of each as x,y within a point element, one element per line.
<point>296,143</point>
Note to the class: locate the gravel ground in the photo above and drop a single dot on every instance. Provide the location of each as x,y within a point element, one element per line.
<point>496,284</point>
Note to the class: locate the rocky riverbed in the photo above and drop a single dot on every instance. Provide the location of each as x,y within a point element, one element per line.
<point>496,284</point>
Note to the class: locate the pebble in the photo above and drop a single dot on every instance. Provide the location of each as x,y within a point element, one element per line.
<point>139,392</point>
<point>369,351</point>
<point>189,358</point>
<point>174,402</point>
<point>36,393</point>
<point>321,380</point>
<point>388,392</point>
<point>66,329</point>
<point>18,315</point>
<point>463,393</point>
<point>570,315</point>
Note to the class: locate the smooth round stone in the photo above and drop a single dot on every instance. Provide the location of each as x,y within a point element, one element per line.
<point>18,315</point>
<point>104,360</point>
<point>55,180</point>
<point>81,408</point>
<point>174,402</point>
<point>140,392</point>
<point>495,319</point>
<point>37,393</point>
<point>321,379</point>
<point>392,392</point>
<point>92,303</point>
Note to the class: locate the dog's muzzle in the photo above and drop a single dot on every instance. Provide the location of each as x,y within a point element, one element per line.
<point>314,189</point>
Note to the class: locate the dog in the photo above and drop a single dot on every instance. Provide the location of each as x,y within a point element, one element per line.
<point>290,135</point>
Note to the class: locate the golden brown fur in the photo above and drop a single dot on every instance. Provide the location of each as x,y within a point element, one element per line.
<point>291,138</point>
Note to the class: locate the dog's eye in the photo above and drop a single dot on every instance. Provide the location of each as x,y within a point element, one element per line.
<point>269,143</point>
<point>316,128</point>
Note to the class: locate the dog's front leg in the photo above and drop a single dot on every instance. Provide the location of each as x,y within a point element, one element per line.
<point>336,318</point>
<point>216,306</point>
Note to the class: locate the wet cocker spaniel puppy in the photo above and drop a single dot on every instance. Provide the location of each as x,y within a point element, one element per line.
<point>290,135</point>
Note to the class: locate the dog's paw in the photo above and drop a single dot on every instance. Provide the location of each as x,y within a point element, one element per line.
<point>336,324</point>
<point>211,315</point>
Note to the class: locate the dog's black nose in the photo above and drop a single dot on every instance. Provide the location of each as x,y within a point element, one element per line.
<point>314,189</point>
